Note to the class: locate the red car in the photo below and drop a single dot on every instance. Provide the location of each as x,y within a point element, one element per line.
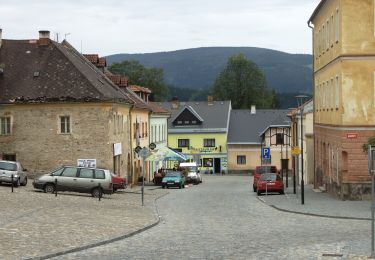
<point>118,182</point>
<point>270,182</point>
<point>259,170</point>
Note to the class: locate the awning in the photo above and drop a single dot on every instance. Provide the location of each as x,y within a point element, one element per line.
<point>166,154</point>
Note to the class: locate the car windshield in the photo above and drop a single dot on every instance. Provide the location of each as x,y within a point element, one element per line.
<point>8,166</point>
<point>190,168</point>
<point>266,169</point>
<point>173,174</point>
<point>268,177</point>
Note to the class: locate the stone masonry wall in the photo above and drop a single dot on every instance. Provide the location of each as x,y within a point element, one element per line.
<point>38,145</point>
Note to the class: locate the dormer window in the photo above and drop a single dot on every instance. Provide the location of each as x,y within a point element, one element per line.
<point>194,122</point>
<point>186,122</point>
<point>36,74</point>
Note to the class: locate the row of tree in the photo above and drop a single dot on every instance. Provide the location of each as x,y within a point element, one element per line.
<point>241,81</point>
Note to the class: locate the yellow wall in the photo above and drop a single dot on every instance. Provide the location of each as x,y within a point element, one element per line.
<point>346,38</point>
<point>253,157</point>
<point>355,91</point>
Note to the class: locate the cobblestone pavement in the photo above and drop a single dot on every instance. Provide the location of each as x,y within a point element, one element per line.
<point>35,224</point>
<point>223,219</point>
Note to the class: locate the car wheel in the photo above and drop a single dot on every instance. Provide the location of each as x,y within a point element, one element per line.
<point>183,186</point>
<point>96,192</point>
<point>49,188</point>
<point>167,187</point>
<point>163,187</point>
<point>282,192</point>
<point>24,182</point>
<point>180,186</point>
<point>259,193</point>
<point>254,189</point>
<point>17,183</point>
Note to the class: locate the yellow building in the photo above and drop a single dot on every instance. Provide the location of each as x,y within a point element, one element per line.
<point>344,94</point>
<point>252,130</point>
<point>199,130</point>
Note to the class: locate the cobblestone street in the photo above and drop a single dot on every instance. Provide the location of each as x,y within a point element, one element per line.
<point>34,224</point>
<point>223,219</point>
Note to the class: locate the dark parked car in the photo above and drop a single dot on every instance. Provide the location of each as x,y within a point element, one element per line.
<point>259,170</point>
<point>270,182</point>
<point>78,179</point>
<point>173,179</point>
<point>9,168</point>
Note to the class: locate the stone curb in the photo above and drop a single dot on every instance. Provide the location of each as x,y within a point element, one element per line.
<point>108,241</point>
<point>311,214</point>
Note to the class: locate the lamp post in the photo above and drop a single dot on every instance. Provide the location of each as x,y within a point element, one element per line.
<point>300,99</point>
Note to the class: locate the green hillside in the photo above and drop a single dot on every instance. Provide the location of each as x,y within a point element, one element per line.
<point>197,68</point>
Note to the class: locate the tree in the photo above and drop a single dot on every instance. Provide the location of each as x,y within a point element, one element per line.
<point>152,78</point>
<point>244,84</point>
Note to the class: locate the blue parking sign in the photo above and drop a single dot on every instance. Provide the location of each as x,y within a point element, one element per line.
<point>266,153</point>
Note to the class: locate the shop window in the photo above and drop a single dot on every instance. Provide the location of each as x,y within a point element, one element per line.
<point>207,162</point>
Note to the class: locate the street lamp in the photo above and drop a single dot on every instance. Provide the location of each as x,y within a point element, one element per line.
<point>300,99</point>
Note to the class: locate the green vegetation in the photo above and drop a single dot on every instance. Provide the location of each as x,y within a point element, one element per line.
<point>198,68</point>
<point>244,84</point>
<point>152,78</point>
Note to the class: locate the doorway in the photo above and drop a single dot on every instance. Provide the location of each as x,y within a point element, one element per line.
<point>217,164</point>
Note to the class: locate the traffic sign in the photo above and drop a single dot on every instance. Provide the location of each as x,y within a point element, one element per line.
<point>266,153</point>
<point>296,150</point>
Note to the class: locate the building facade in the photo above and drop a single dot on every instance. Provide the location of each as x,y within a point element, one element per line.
<point>57,108</point>
<point>199,130</point>
<point>252,130</point>
<point>344,103</point>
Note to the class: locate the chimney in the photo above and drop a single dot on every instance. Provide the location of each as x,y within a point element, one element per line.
<point>175,103</point>
<point>253,110</point>
<point>210,100</point>
<point>1,36</point>
<point>44,38</point>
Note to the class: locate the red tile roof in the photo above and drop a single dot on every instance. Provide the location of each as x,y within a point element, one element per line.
<point>136,88</point>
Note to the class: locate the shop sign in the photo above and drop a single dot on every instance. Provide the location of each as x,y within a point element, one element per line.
<point>117,149</point>
<point>351,135</point>
<point>204,149</point>
<point>86,163</point>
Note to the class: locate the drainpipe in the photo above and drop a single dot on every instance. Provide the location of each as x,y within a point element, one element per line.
<point>309,24</point>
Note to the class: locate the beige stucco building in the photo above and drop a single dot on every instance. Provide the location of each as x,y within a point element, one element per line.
<point>254,129</point>
<point>344,94</point>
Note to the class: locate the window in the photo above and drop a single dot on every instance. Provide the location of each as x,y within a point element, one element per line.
<point>332,30</point>
<point>5,125</point>
<point>179,122</point>
<point>337,96</point>
<point>337,26</point>
<point>99,174</point>
<point>209,142</point>
<point>69,172</point>
<point>207,162</point>
<point>183,142</point>
<point>241,159</point>
<point>65,124</point>
<point>135,130</point>
<point>57,172</point>
<point>279,138</point>
<point>86,173</point>
<point>146,129</point>
<point>332,94</point>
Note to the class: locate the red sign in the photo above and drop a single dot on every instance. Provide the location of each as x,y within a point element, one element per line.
<point>351,135</point>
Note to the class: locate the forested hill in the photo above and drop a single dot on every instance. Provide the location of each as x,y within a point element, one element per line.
<point>197,68</point>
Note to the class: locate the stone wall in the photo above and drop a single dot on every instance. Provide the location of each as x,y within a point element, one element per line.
<point>40,147</point>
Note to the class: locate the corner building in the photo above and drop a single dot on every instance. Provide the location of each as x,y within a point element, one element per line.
<point>344,95</point>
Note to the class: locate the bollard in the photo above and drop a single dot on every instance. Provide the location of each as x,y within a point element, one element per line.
<point>100,193</point>
<point>55,187</point>
<point>12,182</point>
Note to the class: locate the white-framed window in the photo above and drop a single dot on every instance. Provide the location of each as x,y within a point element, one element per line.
<point>65,125</point>
<point>323,38</point>
<point>328,35</point>
<point>5,125</point>
<point>337,26</point>
<point>323,96</point>
<point>337,96</point>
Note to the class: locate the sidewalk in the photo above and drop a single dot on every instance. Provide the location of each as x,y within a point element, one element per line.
<point>318,203</point>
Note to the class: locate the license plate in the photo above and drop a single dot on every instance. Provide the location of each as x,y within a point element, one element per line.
<point>271,183</point>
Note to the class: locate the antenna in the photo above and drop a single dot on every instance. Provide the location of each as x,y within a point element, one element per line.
<point>57,37</point>
<point>66,34</point>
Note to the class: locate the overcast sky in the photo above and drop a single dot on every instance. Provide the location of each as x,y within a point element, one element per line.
<point>142,26</point>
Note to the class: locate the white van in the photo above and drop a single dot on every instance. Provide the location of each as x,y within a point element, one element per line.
<point>193,175</point>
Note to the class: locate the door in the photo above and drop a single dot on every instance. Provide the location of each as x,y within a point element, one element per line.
<point>85,181</point>
<point>68,179</point>
<point>217,164</point>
